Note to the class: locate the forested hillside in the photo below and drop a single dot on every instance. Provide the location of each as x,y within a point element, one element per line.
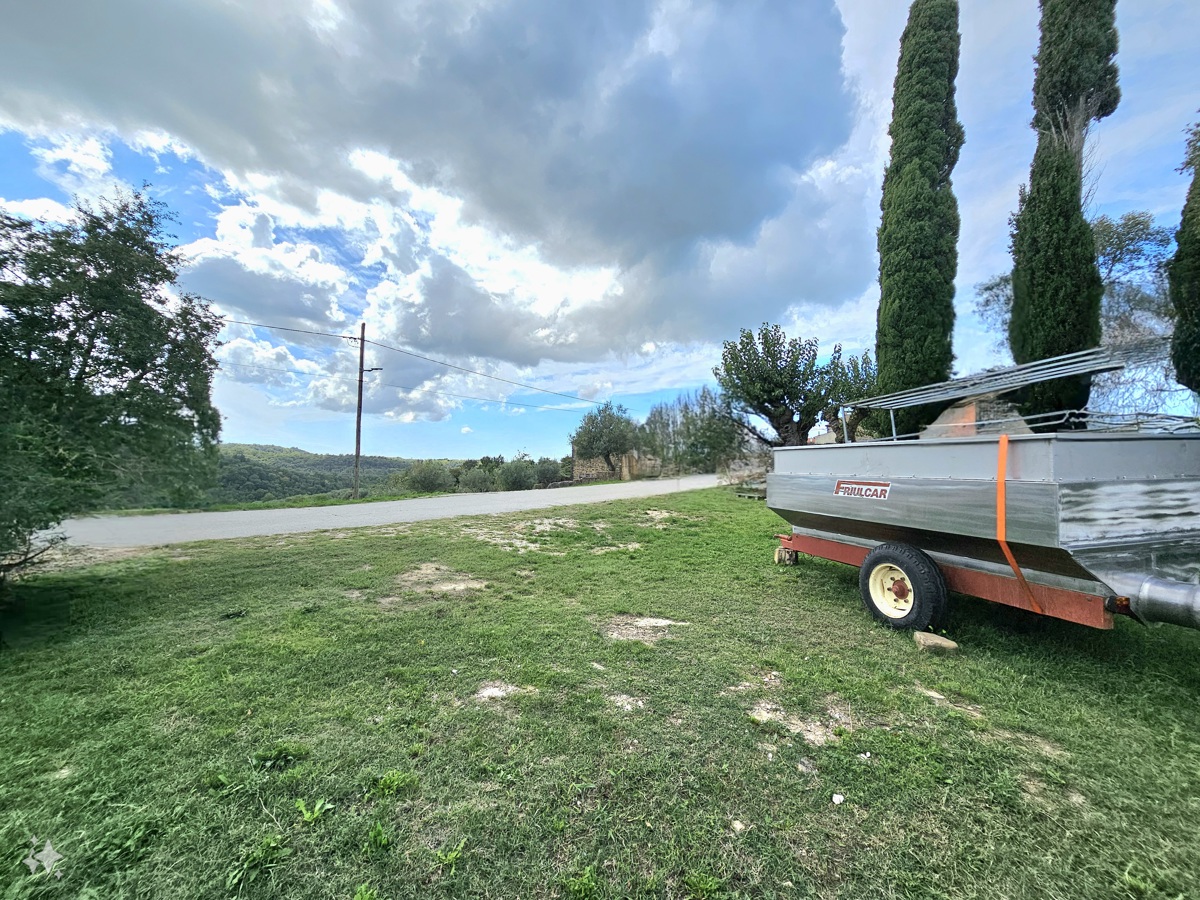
<point>248,473</point>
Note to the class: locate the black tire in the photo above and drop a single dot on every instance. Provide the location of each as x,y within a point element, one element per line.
<point>909,592</point>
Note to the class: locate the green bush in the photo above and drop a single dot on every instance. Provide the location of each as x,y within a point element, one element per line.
<point>430,477</point>
<point>475,481</point>
<point>548,470</point>
<point>518,475</point>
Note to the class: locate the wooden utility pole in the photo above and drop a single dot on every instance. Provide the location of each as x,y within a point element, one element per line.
<point>362,353</point>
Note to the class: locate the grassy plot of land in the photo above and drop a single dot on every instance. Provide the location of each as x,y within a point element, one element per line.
<point>631,701</point>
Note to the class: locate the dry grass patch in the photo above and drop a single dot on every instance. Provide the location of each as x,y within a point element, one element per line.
<point>515,537</point>
<point>970,710</point>
<point>767,680</point>
<point>660,519</point>
<point>639,628</point>
<point>432,578</point>
<point>625,703</point>
<point>616,547</point>
<point>500,690</point>
<point>65,557</point>
<point>816,731</point>
<point>1046,748</point>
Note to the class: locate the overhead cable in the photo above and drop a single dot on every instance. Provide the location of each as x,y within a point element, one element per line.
<point>397,386</point>
<point>439,362</point>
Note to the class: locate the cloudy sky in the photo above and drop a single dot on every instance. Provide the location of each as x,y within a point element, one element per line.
<point>585,198</point>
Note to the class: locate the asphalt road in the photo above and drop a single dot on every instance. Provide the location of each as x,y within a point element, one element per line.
<point>178,528</point>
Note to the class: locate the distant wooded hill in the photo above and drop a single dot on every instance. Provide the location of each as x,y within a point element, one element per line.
<point>252,472</point>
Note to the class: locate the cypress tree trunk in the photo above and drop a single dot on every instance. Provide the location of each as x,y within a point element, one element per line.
<point>1056,286</point>
<point>918,234</point>
<point>1184,275</point>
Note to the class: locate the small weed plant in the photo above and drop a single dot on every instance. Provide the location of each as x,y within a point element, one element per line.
<point>311,815</point>
<point>270,853</point>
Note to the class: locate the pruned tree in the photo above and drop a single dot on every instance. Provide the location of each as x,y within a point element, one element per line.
<point>776,379</point>
<point>1056,285</point>
<point>105,371</point>
<point>605,433</point>
<point>918,234</point>
<point>1184,276</point>
<point>854,378</point>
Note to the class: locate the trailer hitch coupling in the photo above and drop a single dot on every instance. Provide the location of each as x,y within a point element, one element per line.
<point>1154,599</point>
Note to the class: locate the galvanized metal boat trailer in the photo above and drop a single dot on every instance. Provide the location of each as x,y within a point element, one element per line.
<point>1077,525</point>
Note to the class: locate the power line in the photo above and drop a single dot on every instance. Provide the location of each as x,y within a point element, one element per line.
<point>348,337</point>
<point>484,374</point>
<point>439,362</point>
<point>386,384</point>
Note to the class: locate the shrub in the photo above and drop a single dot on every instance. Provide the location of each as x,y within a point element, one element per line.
<point>475,481</point>
<point>430,477</point>
<point>518,475</point>
<point>548,470</point>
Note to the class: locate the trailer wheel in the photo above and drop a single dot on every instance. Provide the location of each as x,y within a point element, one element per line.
<point>902,587</point>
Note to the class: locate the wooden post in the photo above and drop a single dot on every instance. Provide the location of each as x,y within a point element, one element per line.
<point>362,351</point>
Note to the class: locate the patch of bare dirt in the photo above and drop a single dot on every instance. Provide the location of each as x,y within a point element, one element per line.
<point>1046,748</point>
<point>352,594</point>
<point>639,628</point>
<point>616,547</point>
<point>767,680</point>
<point>815,730</point>
<point>432,578</point>
<point>970,710</point>
<point>500,690</point>
<point>511,537</point>
<point>659,519</point>
<point>527,536</point>
<point>66,557</point>
<point>390,530</point>
<point>625,703</point>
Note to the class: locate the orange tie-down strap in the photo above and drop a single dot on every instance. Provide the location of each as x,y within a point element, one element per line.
<point>1001,525</point>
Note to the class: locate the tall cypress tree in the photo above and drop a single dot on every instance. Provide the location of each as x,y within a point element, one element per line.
<point>1184,275</point>
<point>918,234</point>
<point>1056,286</point>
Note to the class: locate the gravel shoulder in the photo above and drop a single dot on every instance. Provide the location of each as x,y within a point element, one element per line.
<point>160,530</point>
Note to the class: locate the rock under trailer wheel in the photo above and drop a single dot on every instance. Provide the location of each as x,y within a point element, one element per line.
<point>902,587</point>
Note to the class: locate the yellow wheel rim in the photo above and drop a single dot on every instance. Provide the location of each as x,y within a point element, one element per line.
<point>891,591</point>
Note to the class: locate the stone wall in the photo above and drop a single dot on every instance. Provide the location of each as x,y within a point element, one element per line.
<point>591,469</point>
<point>630,466</point>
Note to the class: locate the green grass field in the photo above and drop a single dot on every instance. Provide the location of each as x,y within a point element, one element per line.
<point>455,709</point>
